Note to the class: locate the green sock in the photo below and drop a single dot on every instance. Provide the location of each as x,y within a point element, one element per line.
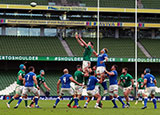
<point>26,103</point>
<point>71,101</point>
<point>100,103</point>
<point>10,100</point>
<point>137,99</point>
<point>142,99</point>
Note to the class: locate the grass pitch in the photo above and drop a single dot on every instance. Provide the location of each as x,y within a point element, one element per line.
<point>62,109</point>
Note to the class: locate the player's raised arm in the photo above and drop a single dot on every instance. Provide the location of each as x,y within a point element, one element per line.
<point>58,84</point>
<point>110,73</point>
<point>35,81</point>
<point>80,43</point>
<point>145,82</point>
<point>71,78</point>
<point>95,53</point>
<point>119,82</point>
<point>45,85</point>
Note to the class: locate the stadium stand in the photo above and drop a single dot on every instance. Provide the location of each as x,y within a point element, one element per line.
<point>152,46</point>
<point>31,46</point>
<point>151,4</point>
<point>117,47</point>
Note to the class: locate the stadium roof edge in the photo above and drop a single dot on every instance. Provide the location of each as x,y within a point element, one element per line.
<point>74,8</point>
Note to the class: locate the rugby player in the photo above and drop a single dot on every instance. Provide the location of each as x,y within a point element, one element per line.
<point>150,83</point>
<point>127,83</point>
<point>65,80</point>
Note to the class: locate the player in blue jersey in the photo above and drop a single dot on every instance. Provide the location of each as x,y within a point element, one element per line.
<point>29,81</point>
<point>92,91</point>
<point>113,88</point>
<point>65,80</point>
<point>102,58</point>
<point>150,83</point>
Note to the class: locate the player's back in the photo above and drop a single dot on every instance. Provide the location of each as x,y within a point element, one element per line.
<point>91,82</point>
<point>65,80</point>
<point>150,80</point>
<point>113,78</point>
<point>29,82</point>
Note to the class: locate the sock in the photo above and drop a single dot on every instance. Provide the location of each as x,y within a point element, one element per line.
<point>145,102</point>
<point>137,99</point>
<point>19,101</point>
<point>104,85</point>
<point>11,100</point>
<point>96,104</point>
<point>57,101</point>
<point>114,102</point>
<point>76,101</point>
<point>71,101</point>
<point>26,102</point>
<point>31,103</point>
<point>142,99</point>
<point>100,103</point>
<point>86,104</point>
<point>120,99</point>
<point>36,101</point>
<point>155,103</point>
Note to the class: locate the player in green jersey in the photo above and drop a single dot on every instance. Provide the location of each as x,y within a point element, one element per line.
<point>78,76</point>
<point>140,88</point>
<point>127,82</point>
<point>40,80</point>
<point>20,85</point>
<point>88,50</point>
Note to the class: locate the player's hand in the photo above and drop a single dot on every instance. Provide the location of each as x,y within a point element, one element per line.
<point>48,89</point>
<point>76,36</point>
<point>80,84</point>
<point>101,62</point>
<point>80,36</point>
<point>38,88</point>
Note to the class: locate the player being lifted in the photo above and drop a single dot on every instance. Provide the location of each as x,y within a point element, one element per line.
<point>78,76</point>
<point>30,80</point>
<point>127,83</point>
<point>92,91</point>
<point>113,87</point>
<point>65,80</point>
<point>101,67</point>
<point>88,50</point>
<point>140,88</point>
<point>20,85</point>
<point>150,83</point>
<point>40,80</point>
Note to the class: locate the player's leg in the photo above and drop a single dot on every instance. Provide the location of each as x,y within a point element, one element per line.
<point>137,97</point>
<point>33,100</point>
<point>36,93</point>
<point>98,96</point>
<point>126,95</point>
<point>10,101</point>
<point>111,96</point>
<point>104,84</point>
<point>88,100</point>
<point>59,97</point>
<point>147,92</point>
<point>153,98</point>
<point>115,92</point>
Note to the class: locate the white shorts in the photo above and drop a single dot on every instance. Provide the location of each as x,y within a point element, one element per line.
<point>85,64</point>
<point>78,90</point>
<point>140,91</point>
<point>66,91</point>
<point>100,70</point>
<point>93,92</point>
<point>26,90</point>
<point>113,89</point>
<point>127,88</point>
<point>150,90</point>
<point>19,89</point>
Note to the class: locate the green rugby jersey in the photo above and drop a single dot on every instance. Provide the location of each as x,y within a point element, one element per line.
<point>40,80</point>
<point>140,81</point>
<point>22,73</point>
<point>126,80</point>
<point>78,76</point>
<point>87,53</point>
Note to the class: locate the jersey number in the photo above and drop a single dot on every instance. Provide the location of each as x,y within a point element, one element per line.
<point>151,80</point>
<point>64,79</point>
<point>88,81</point>
<point>28,77</point>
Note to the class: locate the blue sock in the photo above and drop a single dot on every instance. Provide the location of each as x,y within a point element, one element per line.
<point>120,99</point>
<point>76,101</point>
<point>36,101</point>
<point>57,101</point>
<point>104,85</point>
<point>155,103</point>
<point>114,102</point>
<point>145,102</point>
<point>19,101</point>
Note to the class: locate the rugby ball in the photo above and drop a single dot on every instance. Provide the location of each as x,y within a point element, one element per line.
<point>33,4</point>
